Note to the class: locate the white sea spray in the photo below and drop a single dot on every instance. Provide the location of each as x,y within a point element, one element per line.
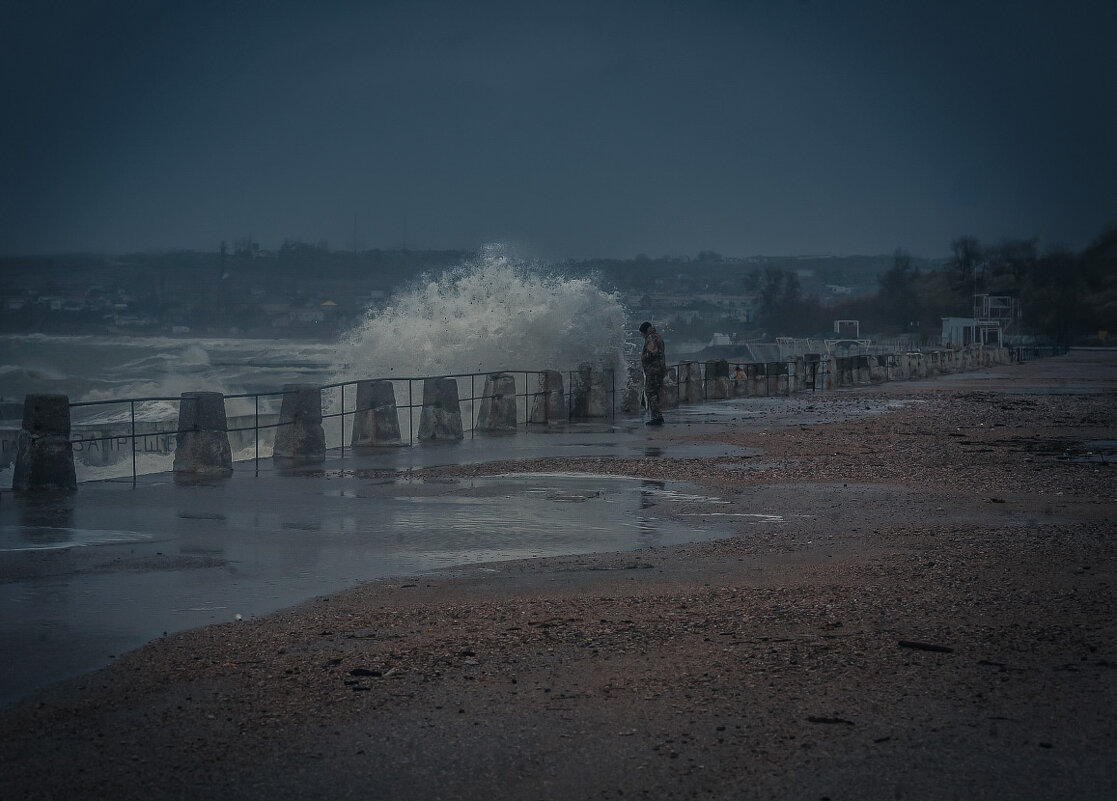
<point>493,313</point>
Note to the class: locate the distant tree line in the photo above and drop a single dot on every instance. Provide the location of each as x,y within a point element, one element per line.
<point>1063,296</point>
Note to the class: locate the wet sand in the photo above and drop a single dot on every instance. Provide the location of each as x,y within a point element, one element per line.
<point>935,619</point>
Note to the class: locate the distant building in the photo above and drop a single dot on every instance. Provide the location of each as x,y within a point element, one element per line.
<point>307,315</point>
<point>958,332</point>
<point>993,318</point>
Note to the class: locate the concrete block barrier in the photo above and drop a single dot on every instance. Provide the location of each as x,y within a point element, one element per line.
<point>376,422</point>
<point>498,404</point>
<point>441,418</point>
<point>717,380</point>
<point>202,442</point>
<point>299,439</point>
<point>691,388</point>
<point>44,456</point>
<point>549,406</point>
<point>758,380</point>
<point>633,391</point>
<point>669,394</point>
<point>589,395</point>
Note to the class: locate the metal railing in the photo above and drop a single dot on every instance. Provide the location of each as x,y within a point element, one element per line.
<point>341,412</point>
<point>744,379</point>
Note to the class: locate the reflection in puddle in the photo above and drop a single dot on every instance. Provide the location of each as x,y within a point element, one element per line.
<point>41,538</point>
<point>1098,451</point>
<point>572,497</point>
<point>131,565</point>
<point>752,516</point>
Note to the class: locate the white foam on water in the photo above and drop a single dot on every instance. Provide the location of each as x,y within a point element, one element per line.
<point>494,313</point>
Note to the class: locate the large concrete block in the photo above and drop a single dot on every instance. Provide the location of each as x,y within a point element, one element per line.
<point>549,405</point>
<point>861,371</point>
<point>781,381</point>
<point>498,403</point>
<point>669,394</point>
<point>691,388</point>
<point>632,403</point>
<point>441,418</point>
<point>740,381</point>
<point>758,380</point>
<point>876,370</point>
<point>202,441</point>
<point>717,379</point>
<point>590,397</point>
<point>44,456</point>
<point>299,438</point>
<point>808,370</point>
<point>891,368</point>
<point>376,422</point>
<point>46,414</point>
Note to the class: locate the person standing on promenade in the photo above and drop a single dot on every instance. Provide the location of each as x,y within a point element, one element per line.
<point>654,361</point>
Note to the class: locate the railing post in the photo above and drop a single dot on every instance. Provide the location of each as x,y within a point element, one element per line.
<point>133,405</point>
<point>343,421</point>
<point>256,431</point>
<point>410,415</point>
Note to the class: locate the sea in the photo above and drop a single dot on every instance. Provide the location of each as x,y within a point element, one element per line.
<point>494,313</point>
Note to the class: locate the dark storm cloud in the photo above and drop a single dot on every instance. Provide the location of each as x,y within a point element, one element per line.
<point>573,128</point>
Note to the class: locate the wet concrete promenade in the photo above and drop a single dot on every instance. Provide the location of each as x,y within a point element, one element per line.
<point>88,576</point>
<point>926,611</point>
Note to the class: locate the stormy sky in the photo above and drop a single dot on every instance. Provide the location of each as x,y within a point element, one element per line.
<point>572,129</point>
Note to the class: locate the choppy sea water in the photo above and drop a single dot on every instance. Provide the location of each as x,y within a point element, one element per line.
<point>493,313</point>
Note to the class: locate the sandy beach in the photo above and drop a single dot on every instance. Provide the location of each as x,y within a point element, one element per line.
<point>934,618</point>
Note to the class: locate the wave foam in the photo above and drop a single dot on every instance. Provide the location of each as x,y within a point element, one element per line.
<point>495,313</point>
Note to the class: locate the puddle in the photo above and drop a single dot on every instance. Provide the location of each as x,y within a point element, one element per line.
<point>750,517</point>
<point>1100,451</point>
<point>43,538</point>
<point>123,566</point>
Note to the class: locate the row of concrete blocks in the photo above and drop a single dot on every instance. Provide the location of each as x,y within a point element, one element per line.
<point>45,457</point>
<point>848,371</point>
<point>690,382</point>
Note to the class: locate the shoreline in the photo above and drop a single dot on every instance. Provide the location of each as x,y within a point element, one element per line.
<point>931,621</point>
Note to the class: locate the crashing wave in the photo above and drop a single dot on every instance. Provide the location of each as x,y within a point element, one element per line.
<point>494,313</point>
